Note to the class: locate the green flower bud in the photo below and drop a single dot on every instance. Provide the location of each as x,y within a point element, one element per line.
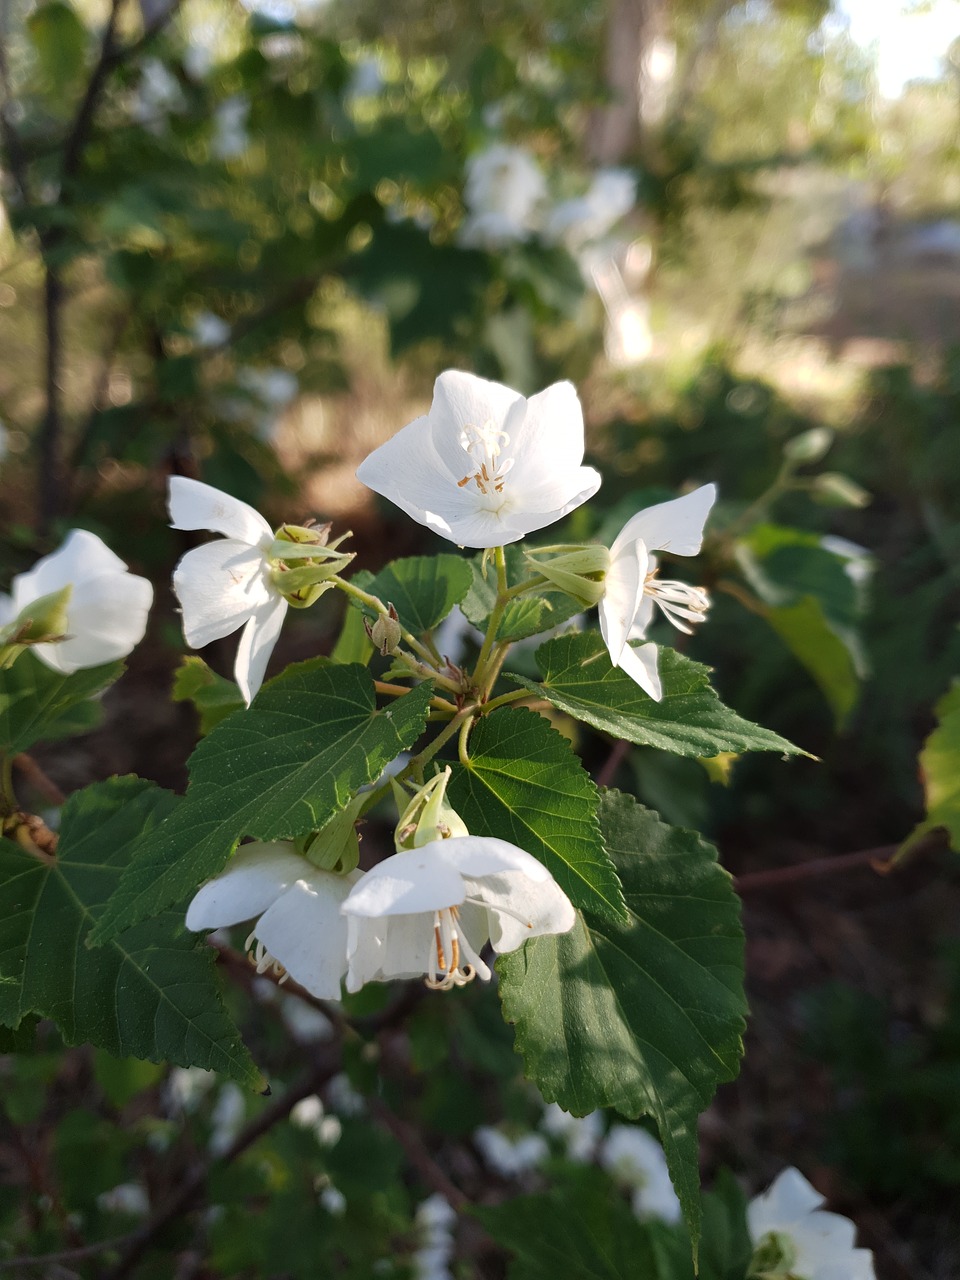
<point>336,846</point>
<point>809,446</point>
<point>577,571</point>
<point>385,632</point>
<point>428,816</point>
<point>836,490</point>
<point>304,562</point>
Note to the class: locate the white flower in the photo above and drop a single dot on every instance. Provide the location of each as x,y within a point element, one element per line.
<point>504,187</point>
<point>485,466</point>
<point>105,611</point>
<point>230,138</point>
<point>227,584</point>
<point>209,330</point>
<point>432,909</point>
<point>815,1245</point>
<point>510,1156</point>
<point>632,586</point>
<point>334,1201</point>
<point>299,928</point>
<point>611,196</point>
<point>636,1160</point>
<point>435,1220</point>
<point>580,1134</point>
<point>187,1086</point>
<point>129,1197</point>
<point>158,94</point>
<point>227,1117</point>
<point>274,386</point>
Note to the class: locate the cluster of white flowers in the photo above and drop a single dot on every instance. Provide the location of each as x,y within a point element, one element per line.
<point>793,1236</point>
<point>434,1222</point>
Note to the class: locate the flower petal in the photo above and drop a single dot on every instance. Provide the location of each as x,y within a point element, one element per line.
<point>519,908</point>
<point>387,948</point>
<point>477,856</point>
<point>220,585</point>
<point>254,878</point>
<point>548,438</point>
<point>409,471</point>
<point>675,526</point>
<point>106,619</point>
<point>410,881</point>
<point>787,1200</point>
<point>305,931</point>
<point>640,665</point>
<point>622,594</point>
<point>194,505</point>
<point>256,645</point>
<point>82,556</point>
<point>462,400</point>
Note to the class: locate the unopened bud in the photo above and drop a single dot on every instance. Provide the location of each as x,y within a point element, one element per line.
<point>809,446</point>
<point>838,490</point>
<point>41,621</point>
<point>577,571</point>
<point>429,816</point>
<point>336,846</point>
<point>385,632</point>
<point>305,562</point>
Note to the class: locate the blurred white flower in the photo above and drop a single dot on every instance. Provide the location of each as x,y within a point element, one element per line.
<point>129,1197</point>
<point>610,197</point>
<point>307,1113</point>
<point>503,191</point>
<point>334,1201</point>
<point>788,1226</point>
<point>158,94</point>
<point>227,584</point>
<point>230,138</point>
<point>227,1117</point>
<point>431,910</point>
<point>101,609</point>
<point>636,1160</point>
<point>510,1156</point>
<point>366,81</point>
<point>209,330</point>
<point>485,466</point>
<point>306,1024</point>
<point>274,386</point>
<point>632,588</point>
<point>434,1220</point>
<point>299,929</point>
<point>580,1134</point>
<point>343,1098</point>
<point>186,1087</point>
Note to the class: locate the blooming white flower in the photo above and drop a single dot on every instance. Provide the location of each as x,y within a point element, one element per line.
<point>104,610</point>
<point>788,1222</point>
<point>503,190</point>
<point>610,196</point>
<point>485,466</point>
<point>632,587</point>
<point>636,1160</point>
<point>430,910</point>
<point>227,584</point>
<point>299,929</point>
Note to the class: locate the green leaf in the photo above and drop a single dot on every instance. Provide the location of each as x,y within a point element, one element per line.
<point>582,1230</point>
<point>59,40</point>
<point>690,720</point>
<point>813,604</point>
<point>151,993</point>
<point>647,1016</point>
<point>213,696</point>
<point>422,588</point>
<point>525,784</point>
<point>940,770</point>
<point>37,703</point>
<point>527,616</point>
<point>311,738</point>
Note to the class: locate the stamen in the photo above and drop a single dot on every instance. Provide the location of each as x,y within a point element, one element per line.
<point>447,940</point>
<point>485,444</point>
<point>678,600</point>
<point>262,960</point>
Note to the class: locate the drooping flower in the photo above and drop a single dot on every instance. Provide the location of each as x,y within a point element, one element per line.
<point>485,466</point>
<point>503,191</point>
<point>243,579</point>
<point>632,587</point>
<point>636,1160</point>
<point>299,929</point>
<point>87,596</point>
<point>792,1235</point>
<point>431,910</point>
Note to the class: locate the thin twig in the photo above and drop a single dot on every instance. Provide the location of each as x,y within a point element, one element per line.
<point>880,860</point>
<point>64,1255</point>
<point>417,1154</point>
<point>36,778</point>
<point>608,770</point>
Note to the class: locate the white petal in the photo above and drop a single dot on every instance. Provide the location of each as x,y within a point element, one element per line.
<point>194,505</point>
<point>256,645</point>
<point>409,471</point>
<point>254,878</point>
<point>7,611</point>
<point>644,615</point>
<point>622,594</point>
<point>476,856</point>
<point>787,1200</point>
<point>387,948</point>
<point>675,526</point>
<point>552,496</point>
<point>548,438</point>
<point>462,400</point>
<point>411,881</point>
<point>82,556</point>
<point>520,908</point>
<point>305,931</point>
<point>640,665</point>
<point>220,585</point>
<point>106,619</point>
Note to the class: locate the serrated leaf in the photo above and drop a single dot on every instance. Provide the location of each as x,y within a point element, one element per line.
<point>423,589</point>
<point>690,720</point>
<point>213,696</point>
<point>647,1016</point>
<point>582,1230</point>
<point>310,740</point>
<point>151,993</point>
<point>529,615</point>
<point>525,784</point>
<point>38,704</point>
<point>940,770</point>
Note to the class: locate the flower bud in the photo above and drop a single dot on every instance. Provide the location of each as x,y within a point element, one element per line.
<point>809,446</point>
<point>385,632</point>
<point>42,620</point>
<point>336,846</point>
<point>836,490</point>
<point>303,562</point>
<point>429,816</point>
<point>577,571</point>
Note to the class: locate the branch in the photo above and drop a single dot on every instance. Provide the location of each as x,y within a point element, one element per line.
<point>880,860</point>
<point>417,1153</point>
<point>64,1255</point>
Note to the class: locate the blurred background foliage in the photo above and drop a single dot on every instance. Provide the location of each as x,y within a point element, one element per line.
<point>239,242</point>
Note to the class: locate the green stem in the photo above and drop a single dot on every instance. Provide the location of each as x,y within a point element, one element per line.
<point>506,698</point>
<point>529,585</point>
<point>462,743</point>
<point>374,602</point>
<point>493,622</point>
<point>426,671</point>
<point>423,757</point>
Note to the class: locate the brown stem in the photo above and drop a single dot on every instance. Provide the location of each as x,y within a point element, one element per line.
<point>880,860</point>
<point>417,1153</point>
<point>64,1255</point>
<point>35,777</point>
<point>608,770</point>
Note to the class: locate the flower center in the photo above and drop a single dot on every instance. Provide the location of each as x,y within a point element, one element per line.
<point>262,960</point>
<point>449,947</point>
<point>484,445</point>
<point>678,600</point>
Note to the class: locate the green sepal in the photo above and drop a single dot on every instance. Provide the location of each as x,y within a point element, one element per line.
<point>578,572</point>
